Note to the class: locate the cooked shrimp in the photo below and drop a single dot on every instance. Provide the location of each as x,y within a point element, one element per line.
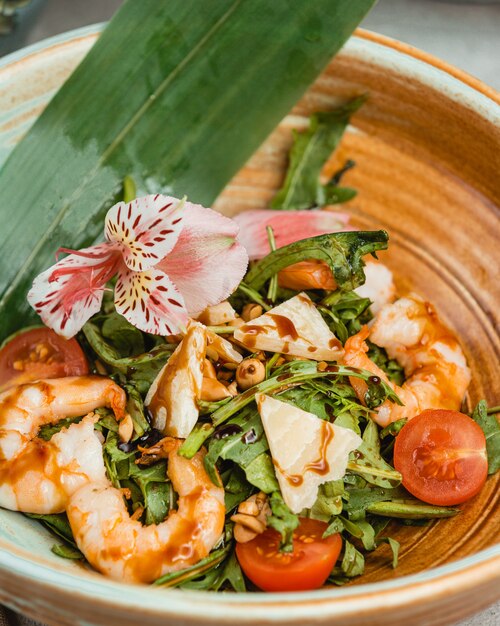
<point>434,363</point>
<point>124,549</point>
<point>378,286</point>
<point>37,476</point>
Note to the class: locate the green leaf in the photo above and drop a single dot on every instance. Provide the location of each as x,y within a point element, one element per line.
<point>175,579</point>
<point>343,252</point>
<point>135,408</point>
<point>260,473</point>
<point>329,501</point>
<point>180,104</point>
<point>57,523</point>
<point>310,151</point>
<point>369,462</point>
<point>140,370</point>
<point>491,429</point>
<point>47,431</point>
<point>353,562</point>
<point>124,337</point>
<point>410,510</point>
<point>236,488</point>
<point>394,545</point>
<point>391,367</point>
<point>67,552</point>
<point>360,499</point>
<point>282,520</point>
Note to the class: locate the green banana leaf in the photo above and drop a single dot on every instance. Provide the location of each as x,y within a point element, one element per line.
<point>176,93</point>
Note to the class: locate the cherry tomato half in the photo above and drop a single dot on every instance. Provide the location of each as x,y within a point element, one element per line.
<point>313,274</point>
<point>40,353</point>
<point>307,567</point>
<point>442,457</point>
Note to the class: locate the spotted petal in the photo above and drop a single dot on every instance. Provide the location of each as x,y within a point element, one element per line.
<point>151,302</point>
<point>208,262</point>
<point>70,292</point>
<point>145,230</point>
<point>288,226</point>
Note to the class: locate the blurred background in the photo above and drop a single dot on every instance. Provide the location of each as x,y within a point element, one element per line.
<point>465,33</point>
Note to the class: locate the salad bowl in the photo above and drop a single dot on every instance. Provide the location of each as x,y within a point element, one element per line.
<point>426,148</point>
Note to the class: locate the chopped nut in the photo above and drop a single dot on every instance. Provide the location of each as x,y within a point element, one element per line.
<point>251,311</point>
<point>249,507</point>
<point>243,535</point>
<point>217,314</point>
<point>212,390</point>
<point>322,365</point>
<point>250,372</point>
<point>212,354</point>
<point>233,389</point>
<point>126,428</point>
<point>238,322</point>
<point>249,521</point>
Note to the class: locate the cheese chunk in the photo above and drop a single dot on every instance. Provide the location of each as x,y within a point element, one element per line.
<point>294,327</point>
<point>306,450</point>
<point>172,398</point>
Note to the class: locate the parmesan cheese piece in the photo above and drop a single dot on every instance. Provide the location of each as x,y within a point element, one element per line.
<point>306,450</point>
<point>294,327</point>
<point>172,398</point>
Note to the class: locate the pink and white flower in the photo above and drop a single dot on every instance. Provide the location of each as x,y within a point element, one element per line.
<point>288,226</point>
<point>171,258</point>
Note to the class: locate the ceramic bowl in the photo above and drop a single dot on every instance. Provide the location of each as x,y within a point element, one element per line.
<point>426,146</point>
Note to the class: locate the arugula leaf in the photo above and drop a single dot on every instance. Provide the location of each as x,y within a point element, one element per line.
<point>335,526</point>
<point>361,530</point>
<point>310,151</point>
<point>369,462</point>
<point>345,313</point>
<point>360,499</point>
<point>394,545</point>
<point>412,510</point>
<point>47,431</point>
<point>125,338</point>
<point>391,367</point>
<point>343,252</point>
<point>155,493</point>
<point>58,524</point>
<point>282,520</point>
<point>67,552</point>
<point>135,408</point>
<point>491,429</point>
<point>353,562</point>
<point>236,487</point>
<point>260,473</point>
<point>141,369</point>
<point>176,579</point>
<point>329,501</point>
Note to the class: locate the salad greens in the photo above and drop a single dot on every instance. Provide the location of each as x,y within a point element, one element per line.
<point>359,506</point>
<point>311,149</point>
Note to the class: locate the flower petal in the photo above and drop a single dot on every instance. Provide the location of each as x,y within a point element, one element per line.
<point>288,226</point>
<point>208,262</point>
<point>145,229</point>
<point>70,292</point>
<point>150,301</point>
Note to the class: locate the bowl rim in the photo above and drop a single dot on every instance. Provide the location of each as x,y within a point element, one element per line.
<point>452,578</point>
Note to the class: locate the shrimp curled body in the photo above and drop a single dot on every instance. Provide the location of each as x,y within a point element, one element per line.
<point>122,548</point>
<point>436,371</point>
<point>38,476</point>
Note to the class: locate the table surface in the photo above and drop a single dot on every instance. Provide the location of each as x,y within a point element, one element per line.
<point>465,35</point>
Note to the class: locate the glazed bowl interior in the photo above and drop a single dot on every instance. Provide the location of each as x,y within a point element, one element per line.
<point>426,151</point>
